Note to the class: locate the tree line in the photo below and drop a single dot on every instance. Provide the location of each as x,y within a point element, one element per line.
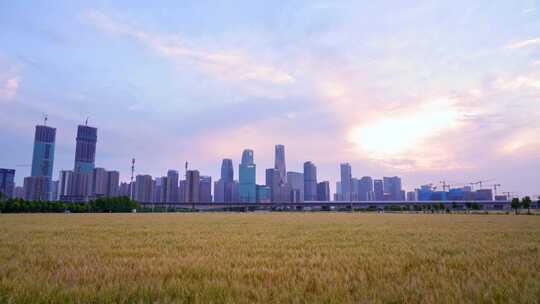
<point>524,203</point>
<point>113,204</point>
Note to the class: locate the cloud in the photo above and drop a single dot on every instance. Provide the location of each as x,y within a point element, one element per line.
<point>524,43</point>
<point>9,86</point>
<point>521,82</point>
<point>225,64</point>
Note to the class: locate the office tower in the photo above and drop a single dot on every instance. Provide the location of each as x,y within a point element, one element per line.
<point>191,187</point>
<point>323,191</point>
<point>144,188</point>
<point>279,191</point>
<point>310,181</point>
<point>85,151</point>
<point>99,183</point>
<point>263,194</point>
<point>223,188</point>
<point>296,183</point>
<point>279,163</point>
<point>182,190</point>
<point>205,189</point>
<point>43,155</point>
<point>236,191</point>
<point>346,175</point>
<point>7,182</point>
<point>378,190</point>
<point>411,196</point>
<point>219,191</point>
<point>355,189</point>
<point>160,189</point>
<point>55,189</point>
<point>227,171</point>
<point>338,196</point>
<point>392,188</point>
<point>113,179</point>
<point>365,191</point>
<point>37,188</point>
<point>65,178</point>
<point>172,187</point>
<point>247,176</point>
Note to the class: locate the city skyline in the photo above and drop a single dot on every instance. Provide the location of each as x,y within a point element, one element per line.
<point>165,88</point>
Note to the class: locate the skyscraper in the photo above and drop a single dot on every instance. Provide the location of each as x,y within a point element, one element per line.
<point>279,191</point>
<point>205,189</point>
<point>192,186</point>
<point>113,180</point>
<point>7,182</point>
<point>227,171</point>
<point>99,182</point>
<point>223,188</point>
<point>323,191</point>
<point>85,151</point>
<point>296,183</point>
<point>279,163</point>
<point>247,176</point>
<point>310,181</point>
<point>171,187</point>
<point>392,188</point>
<point>43,156</point>
<point>378,190</point>
<point>346,176</point>
<point>144,188</point>
<point>37,188</point>
<point>365,191</point>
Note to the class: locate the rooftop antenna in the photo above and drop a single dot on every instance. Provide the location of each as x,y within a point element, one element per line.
<point>86,122</point>
<point>45,118</point>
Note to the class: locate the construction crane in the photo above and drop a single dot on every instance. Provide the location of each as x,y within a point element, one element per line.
<point>495,187</point>
<point>445,185</point>
<point>480,182</point>
<point>509,194</point>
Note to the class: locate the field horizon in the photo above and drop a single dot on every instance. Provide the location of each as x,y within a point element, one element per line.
<point>269,257</point>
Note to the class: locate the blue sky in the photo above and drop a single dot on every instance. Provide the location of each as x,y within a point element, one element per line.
<point>428,91</point>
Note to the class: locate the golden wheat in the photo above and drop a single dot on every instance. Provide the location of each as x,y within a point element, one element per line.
<point>269,257</point>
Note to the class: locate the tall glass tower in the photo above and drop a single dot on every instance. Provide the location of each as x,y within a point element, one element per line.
<point>43,156</point>
<point>248,188</point>
<point>280,163</point>
<point>85,152</point>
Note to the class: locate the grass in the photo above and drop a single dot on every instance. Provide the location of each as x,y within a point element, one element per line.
<point>269,257</point>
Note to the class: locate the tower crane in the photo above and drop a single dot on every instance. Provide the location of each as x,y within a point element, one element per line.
<point>495,187</point>
<point>480,182</point>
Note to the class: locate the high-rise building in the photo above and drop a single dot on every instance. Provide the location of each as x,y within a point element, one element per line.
<point>43,155</point>
<point>296,183</point>
<point>310,181</point>
<point>144,188</point>
<point>355,189</point>
<point>411,196</point>
<point>171,191</point>
<point>219,191</point>
<point>263,194</point>
<point>113,180</point>
<point>124,189</point>
<point>65,178</point>
<point>37,188</point>
<point>223,188</point>
<point>160,189</point>
<point>279,163</point>
<point>18,192</point>
<point>227,171</point>
<point>192,186</point>
<point>365,191</point>
<point>346,176</point>
<point>99,182</point>
<point>279,192</point>
<point>247,178</point>
<point>378,190</point>
<point>85,151</point>
<point>55,188</point>
<point>205,189</point>
<point>7,182</point>
<point>392,188</point>
<point>338,196</point>
<point>323,191</point>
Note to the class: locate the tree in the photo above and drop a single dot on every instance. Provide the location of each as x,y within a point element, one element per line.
<point>516,204</point>
<point>526,203</point>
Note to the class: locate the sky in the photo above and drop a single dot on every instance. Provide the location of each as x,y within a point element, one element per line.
<point>425,90</point>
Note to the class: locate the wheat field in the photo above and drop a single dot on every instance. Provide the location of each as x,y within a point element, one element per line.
<point>269,258</point>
